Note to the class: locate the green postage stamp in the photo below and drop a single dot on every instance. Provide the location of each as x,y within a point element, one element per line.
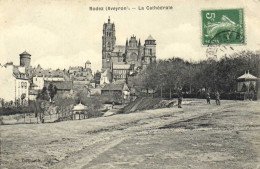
<point>223,26</point>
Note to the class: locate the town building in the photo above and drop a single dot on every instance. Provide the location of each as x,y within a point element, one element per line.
<point>105,77</point>
<point>97,78</point>
<point>62,86</point>
<point>14,84</point>
<point>88,65</point>
<point>80,76</point>
<point>81,85</point>
<point>38,81</point>
<point>121,71</point>
<point>79,73</point>
<point>117,92</point>
<point>40,76</point>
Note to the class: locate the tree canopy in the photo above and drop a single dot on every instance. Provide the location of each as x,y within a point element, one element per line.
<point>210,74</point>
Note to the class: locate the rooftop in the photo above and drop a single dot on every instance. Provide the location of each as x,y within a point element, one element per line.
<point>61,85</point>
<point>121,66</point>
<point>247,76</point>
<point>79,107</point>
<point>114,86</point>
<point>25,53</point>
<point>150,38</point>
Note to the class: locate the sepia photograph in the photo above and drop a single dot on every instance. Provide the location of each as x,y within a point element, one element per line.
<point>141,84</point>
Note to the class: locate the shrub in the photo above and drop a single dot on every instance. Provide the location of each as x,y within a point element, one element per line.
<point>16,110</point>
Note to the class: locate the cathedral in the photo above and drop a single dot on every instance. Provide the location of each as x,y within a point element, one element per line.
<point>132,55</point>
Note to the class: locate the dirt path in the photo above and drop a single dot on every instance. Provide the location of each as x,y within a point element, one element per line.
<point>197,136</point>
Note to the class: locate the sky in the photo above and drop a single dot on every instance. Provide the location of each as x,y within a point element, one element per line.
<point>63,33</point>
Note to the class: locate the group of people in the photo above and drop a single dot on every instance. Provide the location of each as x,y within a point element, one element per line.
<point>217,96</point>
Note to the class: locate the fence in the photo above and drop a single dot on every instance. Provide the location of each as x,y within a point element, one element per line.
<point>27,119</point>
<point>200,95</point>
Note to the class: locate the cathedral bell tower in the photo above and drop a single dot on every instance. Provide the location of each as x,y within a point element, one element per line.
<point>149,50</point>
<point>108,43</point>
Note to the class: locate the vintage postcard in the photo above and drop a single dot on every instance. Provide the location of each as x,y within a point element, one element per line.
<point>90,84</point>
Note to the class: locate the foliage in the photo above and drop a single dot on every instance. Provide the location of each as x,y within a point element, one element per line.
<point>47,93</point>
<point>16,110</point>
<point>109,98</point>
<point>64,103</point>
<point>93,103</point>
<point>43,95</point>
<point>196,77</point>
<point>52,89</point>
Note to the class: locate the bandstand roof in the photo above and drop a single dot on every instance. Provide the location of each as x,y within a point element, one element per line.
<point>79,107</point>
<point>247,76</point>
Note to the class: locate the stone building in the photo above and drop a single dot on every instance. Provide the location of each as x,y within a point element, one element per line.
<point>14,84</point>
<point>132,53</point>
<point>121,72</point>
<point>79,73</point>
<point>15,80</point>
<point>117,92</point>
<point>62,86</point>
<point>25,59</point>
<point>88,65</point>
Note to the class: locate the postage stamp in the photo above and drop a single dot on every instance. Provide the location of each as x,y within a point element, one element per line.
<point>223,26</point>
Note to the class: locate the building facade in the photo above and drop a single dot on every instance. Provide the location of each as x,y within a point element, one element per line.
<point>25,59</point>
<point>121,72</point>
<point>14,84</point>
<point>132,53</point>
<point>79,73</point>
<point>117,92</point>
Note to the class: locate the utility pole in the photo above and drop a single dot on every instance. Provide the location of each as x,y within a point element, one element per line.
<point>190,75</point>
<point>161,91</point>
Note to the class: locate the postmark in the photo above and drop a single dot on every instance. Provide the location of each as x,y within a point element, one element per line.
<point>216,50</point>
<point>223,27</point>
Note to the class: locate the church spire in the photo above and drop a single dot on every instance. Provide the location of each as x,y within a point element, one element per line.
<point>108,19</point>
<point>139,43</point>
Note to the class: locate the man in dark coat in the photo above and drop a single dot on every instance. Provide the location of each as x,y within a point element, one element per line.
<point>208,98</point>
<point>179,98</point>
<point>217,98</point>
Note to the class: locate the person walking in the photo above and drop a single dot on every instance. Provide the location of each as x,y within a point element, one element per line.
<point>217,98</point>
<point>113,103</point>
<point>180,98</point>
<point>208,98</point>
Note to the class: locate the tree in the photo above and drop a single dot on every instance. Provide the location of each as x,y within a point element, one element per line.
<point>52,89</point>
<point>93,105</point>
<point>64,103</point>
<point>43,95</point>
<point>23,97</point>
<point>210,74</point>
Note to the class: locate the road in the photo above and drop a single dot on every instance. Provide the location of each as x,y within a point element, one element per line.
<point>197,136</point>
